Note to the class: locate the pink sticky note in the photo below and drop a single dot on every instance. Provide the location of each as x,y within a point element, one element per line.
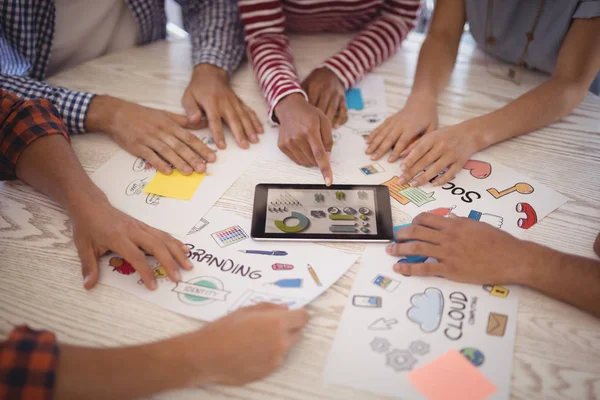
<point>451,377</point>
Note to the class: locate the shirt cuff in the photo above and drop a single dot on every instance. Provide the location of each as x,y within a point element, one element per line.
<point>215,57</point>
<point>28,361</point>
<point>73,107</point>
<point>272,117</point>
<point>337,73</point>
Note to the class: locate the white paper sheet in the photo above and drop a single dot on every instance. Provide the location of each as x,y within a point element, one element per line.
<point>123,177</point>
<point>224,279</point>
<point>414,321</point>
<point>513,208</point>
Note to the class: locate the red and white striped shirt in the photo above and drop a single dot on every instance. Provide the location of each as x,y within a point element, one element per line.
<point>383,24</point>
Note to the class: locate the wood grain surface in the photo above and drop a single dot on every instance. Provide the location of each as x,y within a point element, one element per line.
<point>557,353</point>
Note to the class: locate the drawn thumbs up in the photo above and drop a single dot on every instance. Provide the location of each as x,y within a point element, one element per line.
<point>491,219</point>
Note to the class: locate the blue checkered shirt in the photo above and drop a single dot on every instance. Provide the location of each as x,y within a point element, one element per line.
<point>27,30</point>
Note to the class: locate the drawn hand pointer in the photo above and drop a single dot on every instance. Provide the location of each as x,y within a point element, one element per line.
<point>522,188</point>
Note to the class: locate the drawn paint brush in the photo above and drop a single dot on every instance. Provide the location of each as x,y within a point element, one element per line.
<point>313,274</point>
<point>265,252</point>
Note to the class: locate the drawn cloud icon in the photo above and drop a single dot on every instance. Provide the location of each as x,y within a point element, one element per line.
<point>426,309</point>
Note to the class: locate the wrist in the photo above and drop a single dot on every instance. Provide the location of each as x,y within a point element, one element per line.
<point>80,201</point>
<point>100,112</point>
<point>288,104</point>
<point>534,263</point>
<point>422,95</point>
<point>210,70</point>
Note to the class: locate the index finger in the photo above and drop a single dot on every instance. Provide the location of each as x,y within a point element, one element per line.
<point>430,220</point>
<point>139,262</point>
<point>215,124</point>
<point>321,156</point>
<point>295,319</point>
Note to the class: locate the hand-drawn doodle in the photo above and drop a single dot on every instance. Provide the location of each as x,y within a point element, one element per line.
<point>209,142</point>
<point>313,275</point>
<point>199,226</point>
<point>395,189</point>
<point>380,345</point>
<point>135,187</point>
<point>382,324</point>
<point>419,347</point>
<point>318,214</point>
<point>530,216</point>
<point>417,195</point>
<point>495,290</point>
<point>367,301</point>
<point>400,360</point>
<point>521,187</point>
<point>491,219</point>
<point>466,196</point>
<point>153,199</point>
<point>371,169</point>
<point>201,291</point>
<point>229,236</point>
<point>478,169</point>
<point>497,324</point>
<point>160,274</point>
<point>426,310</point>
<point>121,265</point>
<point>282,267</point>
<point>251,297</point>
<point>475,356</point>
<point>442,211</point>
<point>287,283</point>
<point>385,282</point>
<point>140,165</point>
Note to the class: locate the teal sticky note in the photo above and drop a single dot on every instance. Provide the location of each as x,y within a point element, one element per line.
<point>354,99</point>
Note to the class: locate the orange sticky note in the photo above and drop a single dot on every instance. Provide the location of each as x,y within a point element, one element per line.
<point>451,377</point>
<point>175,185</point>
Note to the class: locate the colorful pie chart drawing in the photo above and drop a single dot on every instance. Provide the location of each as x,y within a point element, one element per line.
<point>301,225</point>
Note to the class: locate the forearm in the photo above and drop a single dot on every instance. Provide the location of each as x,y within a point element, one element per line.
<point>436,61</point>
<point>50,166</point>
<point>535,109</point>
<point>571,279</point>
<point>123,373</point>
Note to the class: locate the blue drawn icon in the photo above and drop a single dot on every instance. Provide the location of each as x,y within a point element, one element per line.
<point>426,310</point>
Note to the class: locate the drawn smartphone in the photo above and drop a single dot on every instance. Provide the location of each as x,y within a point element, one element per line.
<point>386,283</point>
<point>366,301</point>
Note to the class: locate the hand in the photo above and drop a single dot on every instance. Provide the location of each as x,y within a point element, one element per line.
<point>448,148</point>
<point>247,344</point>
<point>151,134</point>
<point>399,131</point>
<point>467,250</point>
<point>98,228</point>
<point>209,93</point>
<point>305,134</point>
<point>327,92</point>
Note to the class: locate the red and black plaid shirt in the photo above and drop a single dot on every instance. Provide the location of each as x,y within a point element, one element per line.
<point>27,358</point>
<point>28,364</point>
<point>22,122</point>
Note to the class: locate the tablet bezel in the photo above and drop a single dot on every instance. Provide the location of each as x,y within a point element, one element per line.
<point>383,215</point>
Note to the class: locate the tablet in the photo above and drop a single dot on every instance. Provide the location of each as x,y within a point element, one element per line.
<point>319,213</point>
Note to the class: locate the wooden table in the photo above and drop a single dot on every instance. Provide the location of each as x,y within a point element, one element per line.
<point>557,353</point>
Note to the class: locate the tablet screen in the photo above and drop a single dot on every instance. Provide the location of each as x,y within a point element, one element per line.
<point>317,212</point>
<point>305,211</point>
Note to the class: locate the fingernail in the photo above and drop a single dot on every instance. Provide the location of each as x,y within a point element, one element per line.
<point>389,248</point>
<point>327,181</point>
<point>152,284</point>
<point>166,171</point>
<point>391,159</point>
<point>187,170</point>
<point>86,279</point>
<point>435,183</point>
<point>401,180</point>
<point>185,249</point>
<point>397,268</point>
<point>413,184</point>
<point>373,157</point>
<point>402,168</point>
<point>199,167</point>
<point>221,143</point>
<point>189,264</point>
<point>177,275</point>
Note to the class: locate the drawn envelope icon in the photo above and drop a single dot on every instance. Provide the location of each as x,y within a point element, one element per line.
<point>497,324</point>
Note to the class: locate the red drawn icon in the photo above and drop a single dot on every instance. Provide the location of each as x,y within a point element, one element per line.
<point>121,265</point>
<point>530,216</point>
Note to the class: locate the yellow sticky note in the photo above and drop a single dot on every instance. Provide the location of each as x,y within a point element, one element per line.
<point>175,186</point>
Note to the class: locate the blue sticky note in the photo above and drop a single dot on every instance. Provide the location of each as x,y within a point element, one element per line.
<point>354,99</point>
<point>408,259</point>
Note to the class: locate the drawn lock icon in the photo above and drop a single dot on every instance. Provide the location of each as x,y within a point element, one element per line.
<point>496,290</point>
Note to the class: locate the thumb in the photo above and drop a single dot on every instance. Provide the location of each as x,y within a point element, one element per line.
<point>193,111</point>
<point>89,267</point>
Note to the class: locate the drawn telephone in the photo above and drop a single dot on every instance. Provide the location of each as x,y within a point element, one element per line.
<point>521,187</point>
